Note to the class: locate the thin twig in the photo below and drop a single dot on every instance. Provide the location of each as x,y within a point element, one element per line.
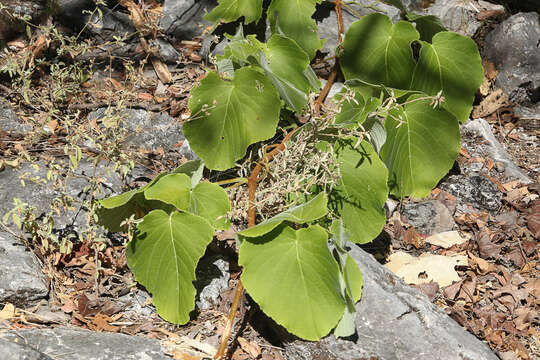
<point>333,74</point>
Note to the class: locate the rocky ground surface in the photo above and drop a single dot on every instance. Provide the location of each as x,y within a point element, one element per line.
<point>111,119</point>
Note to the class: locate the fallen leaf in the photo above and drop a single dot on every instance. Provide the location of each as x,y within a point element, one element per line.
<point>451,291</point>
<point>162,71</point>
<point>7,312</point>
<point>426,268</point>
<point>486,247</point>
<point>145,96</point>
<point>480,265</point>
<point>430,289</point>
<point>446,239</point>
<point>413,238</point>
<point>490,104</point>
<point>249,347</point>
<point>101,323</point>
<point>533,221</point>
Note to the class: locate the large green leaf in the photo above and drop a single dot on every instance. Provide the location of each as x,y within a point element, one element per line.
<point>283,61</point>
<point>421,149</point>
<point>427,25</point>
<point>231,10</point>
<point>172,189</point>
<point>451,64</point>
<point>300,214</point>
<point>115,209</point>
<point>212,203</point>
<point>229,116</point>
<point>379,52</point>
<point>207,200</point>
<point>362,191</point>
<point>285,64</point>
<point>294,278</point>
<point>193,168</point>
<point>163,256</point>
<point>293,18</point>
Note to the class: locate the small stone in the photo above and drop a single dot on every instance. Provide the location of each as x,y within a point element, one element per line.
<point>10,122</point>
<point>476,191</point>
<point>183,19</point>
<point>428,217</point>
<point>212,278</point>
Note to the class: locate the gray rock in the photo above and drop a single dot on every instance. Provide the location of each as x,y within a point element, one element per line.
<point>109,24</point>
<point>78,344</point>
<point>21,281</point>
<point>146,130</point>
<point>460,16</point>
<point>39,193</point>
<point>10,122</point>
<point>212,278</point>
<point>513,47</point>
<point>16,351</point>
<point>495,150</point>
<point>73,13</point>
<point>183,19</point>
<point>428,217</point>
<point>394,321</point>
<point>476,190</point>
<point>529,114</point>
<point>167,52</point>
<point>9,26</point>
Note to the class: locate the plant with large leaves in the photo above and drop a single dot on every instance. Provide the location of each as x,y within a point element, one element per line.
<point>396,132</point>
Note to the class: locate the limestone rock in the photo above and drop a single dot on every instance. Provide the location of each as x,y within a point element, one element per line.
<point>513,47</point>
<point>78,344</point>
<point>21,281</point>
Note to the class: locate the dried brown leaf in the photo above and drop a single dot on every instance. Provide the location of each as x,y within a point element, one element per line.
<point>486,247</point>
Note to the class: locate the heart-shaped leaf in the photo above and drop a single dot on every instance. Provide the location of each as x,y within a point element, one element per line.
<point>451,64</point>
<point>231,115</point>
<point>207,200</point>
<point>422,144</point>
<point>293,18</point>
<point>163,256</point>
<point>362,191</point>
<point>379,52</point>
<point>299,268</point>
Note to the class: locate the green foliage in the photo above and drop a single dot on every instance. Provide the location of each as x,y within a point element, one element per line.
<point>421,147</point>
<point>233,115</point>
<point>390,61</point>
<point>163,256</point>
<point>450,64</point>
<point>299,267</point>
<point>397,132</point>
<point>230,10</point>
<point>360,195</point>
<point>301,214</point>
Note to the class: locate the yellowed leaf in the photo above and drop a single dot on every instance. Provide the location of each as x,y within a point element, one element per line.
<point>426,268</point>
<point>162,71</point>
<point>446,239</point>
<point>7,312</point>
